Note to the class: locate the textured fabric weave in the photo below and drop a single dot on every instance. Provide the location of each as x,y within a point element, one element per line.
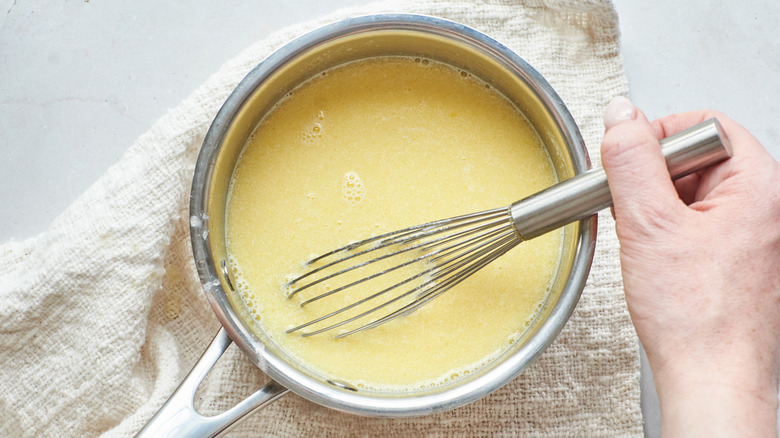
<point>102,315</point>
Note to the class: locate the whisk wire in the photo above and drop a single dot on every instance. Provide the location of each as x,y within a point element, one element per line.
<point>509,243</point>
<point>360,243</point>
<point>473,256</point>
<point>433,256</point>
<point>436,272</point>
<point>419,233</point>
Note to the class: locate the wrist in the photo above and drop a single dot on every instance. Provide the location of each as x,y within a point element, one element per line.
<point>717,400</point>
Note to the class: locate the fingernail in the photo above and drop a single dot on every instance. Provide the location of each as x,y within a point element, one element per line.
<point>619,110</point>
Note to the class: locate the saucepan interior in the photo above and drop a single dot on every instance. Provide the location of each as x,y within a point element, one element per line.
<point>325,48</point>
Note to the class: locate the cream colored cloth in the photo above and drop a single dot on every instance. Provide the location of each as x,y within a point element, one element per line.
<point>102,315</point>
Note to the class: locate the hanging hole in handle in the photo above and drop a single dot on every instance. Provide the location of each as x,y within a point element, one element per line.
<point>210,398</point>
<point>179,416</point>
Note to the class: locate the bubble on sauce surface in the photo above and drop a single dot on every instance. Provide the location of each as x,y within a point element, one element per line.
<point>289,289</point>
<point>312,133</point>
<point>352,187</point>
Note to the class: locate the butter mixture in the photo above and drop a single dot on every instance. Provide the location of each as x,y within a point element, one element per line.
<point>367,148</point>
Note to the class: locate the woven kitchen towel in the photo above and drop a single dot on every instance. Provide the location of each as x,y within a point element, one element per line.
<point>102,315</point>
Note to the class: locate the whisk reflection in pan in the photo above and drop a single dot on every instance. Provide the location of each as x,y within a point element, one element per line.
<point>439,255</point>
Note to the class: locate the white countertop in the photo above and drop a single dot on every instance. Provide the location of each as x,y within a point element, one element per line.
<point>81,80</point>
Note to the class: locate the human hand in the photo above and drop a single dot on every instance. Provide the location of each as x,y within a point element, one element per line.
<point>701,271</point>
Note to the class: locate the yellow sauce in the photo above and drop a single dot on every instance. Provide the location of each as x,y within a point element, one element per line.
<point>367,148</point>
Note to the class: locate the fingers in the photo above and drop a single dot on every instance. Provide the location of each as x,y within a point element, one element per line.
<point>636,170</point>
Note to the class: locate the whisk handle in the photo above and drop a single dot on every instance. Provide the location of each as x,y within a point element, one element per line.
<point>688,151</point>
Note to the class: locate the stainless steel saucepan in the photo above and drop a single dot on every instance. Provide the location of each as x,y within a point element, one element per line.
<point>345,41</point>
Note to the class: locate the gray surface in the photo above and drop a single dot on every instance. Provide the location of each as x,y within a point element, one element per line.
<point>80,81</point>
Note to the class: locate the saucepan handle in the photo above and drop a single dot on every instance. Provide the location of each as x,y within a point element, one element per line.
<point>178,417</point>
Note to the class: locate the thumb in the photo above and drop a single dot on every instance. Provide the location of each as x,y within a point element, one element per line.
<point>638,178</point>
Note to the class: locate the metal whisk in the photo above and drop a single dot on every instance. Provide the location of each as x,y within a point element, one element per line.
<point>443,253</point>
